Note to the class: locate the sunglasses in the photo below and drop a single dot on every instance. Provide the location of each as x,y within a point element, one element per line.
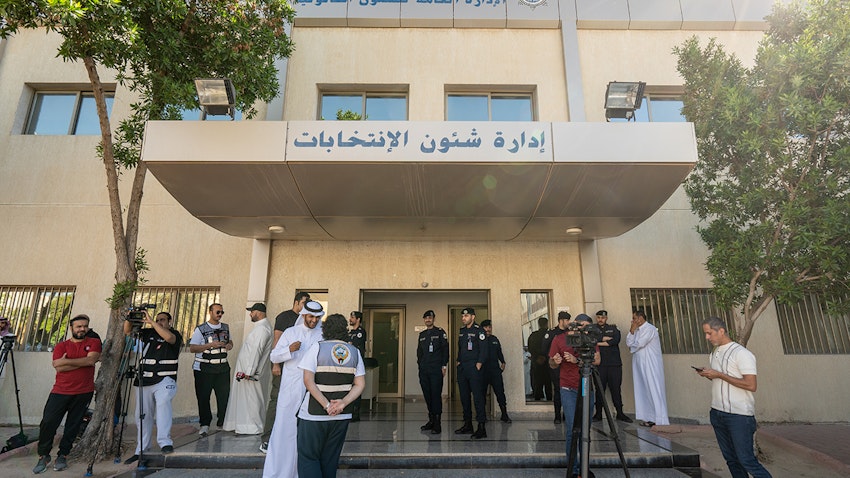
<point>219,312</point>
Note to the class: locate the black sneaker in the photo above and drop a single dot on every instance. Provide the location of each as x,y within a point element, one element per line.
<point>41,466</point>
<point>131,460</point>
<point>167,449</point>
<point>597,418</point>
<point>624,418</point>
<point>61,463</point>
<point>264,447</point>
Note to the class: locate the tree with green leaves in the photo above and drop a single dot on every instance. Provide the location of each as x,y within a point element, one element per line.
<point>157,48</point>
<point>772,184</point>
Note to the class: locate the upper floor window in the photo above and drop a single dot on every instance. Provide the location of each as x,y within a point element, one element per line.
<point>65,112</point>
<point>38,315</point>
<point>373,106</point>
<point>489,107</point>
<point>809,328</point>
<point>678,315</point>
<point>661,104</point>
<point>195,114</point>
<point>187,305</point>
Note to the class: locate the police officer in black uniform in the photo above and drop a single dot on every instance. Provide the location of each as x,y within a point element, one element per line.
<point>563,320</point>
<point>471,356</point>
<point>611,367</point>
<point>432,355</point>
<point>357,338</point>
<point>493,368</point>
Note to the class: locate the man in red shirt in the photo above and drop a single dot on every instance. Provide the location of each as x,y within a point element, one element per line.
<point>74,361</point>
<point>565,359</point>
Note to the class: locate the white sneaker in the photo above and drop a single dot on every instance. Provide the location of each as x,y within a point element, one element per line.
<point>204,431</point>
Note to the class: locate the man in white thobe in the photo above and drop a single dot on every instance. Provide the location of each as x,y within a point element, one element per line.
<point>250,388</point>
<point>648,372</point>
<point>282,456</point>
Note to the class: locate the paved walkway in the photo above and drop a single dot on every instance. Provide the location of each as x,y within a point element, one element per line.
<point>389,439</point>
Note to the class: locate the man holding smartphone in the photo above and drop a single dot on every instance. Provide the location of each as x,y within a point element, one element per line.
<point>733,383</point>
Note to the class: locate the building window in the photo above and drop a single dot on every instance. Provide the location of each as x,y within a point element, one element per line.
<point>678,314</point>
<point>195,114</point>
<point>534,305</point>
<point>374,106</point>
<point>65,112</point>
<point>187,305</point>
<point>808,328</point>
<point>39,315</point>
<point>489,107</point>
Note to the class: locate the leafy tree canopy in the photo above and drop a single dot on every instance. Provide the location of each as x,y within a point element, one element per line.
<point>772,186</point>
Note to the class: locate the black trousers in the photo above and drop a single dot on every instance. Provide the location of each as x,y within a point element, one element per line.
<point>319,446</point>
<point>470,381</point>
<point>555,377</point>
<point>56,407</point>
<point>611,378</point>
<point>205,384</point>
<point>541,381</point>
<point>431,381</point>
<point>493,378</point>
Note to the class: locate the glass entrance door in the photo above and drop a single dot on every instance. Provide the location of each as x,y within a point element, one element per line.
<point>385,326</point>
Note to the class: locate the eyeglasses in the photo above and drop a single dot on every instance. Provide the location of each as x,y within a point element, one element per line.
<point>219,312</point>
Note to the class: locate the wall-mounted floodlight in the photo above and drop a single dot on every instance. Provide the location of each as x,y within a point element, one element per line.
<point>216,96</point>
<point>622,98</point>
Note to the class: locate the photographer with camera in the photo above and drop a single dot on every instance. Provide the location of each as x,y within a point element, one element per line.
<point>74,361</point>
<point>159,345</point>
<point>568,350</point>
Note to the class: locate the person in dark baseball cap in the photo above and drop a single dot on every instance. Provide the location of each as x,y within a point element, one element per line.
<point>429,313</point>
<point>258,306</point>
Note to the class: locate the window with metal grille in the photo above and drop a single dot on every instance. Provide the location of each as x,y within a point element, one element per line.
<point>187,305</point>
<point>809,328</point>
<point>678,315</point>
<point>39,315</point>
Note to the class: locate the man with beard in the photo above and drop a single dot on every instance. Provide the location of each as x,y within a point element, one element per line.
<point>74,361</point>
<point>471,355</point>
<point>282,458</point>
<point>246,407</point>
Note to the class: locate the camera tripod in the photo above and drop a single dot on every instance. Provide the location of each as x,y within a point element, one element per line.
<point>590,381</point>
<point>20,439</point>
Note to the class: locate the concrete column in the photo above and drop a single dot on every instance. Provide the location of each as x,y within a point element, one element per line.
<point>258,277</point>
<point>591,278</point>
<point>572,63</point>
<point>275,107</point>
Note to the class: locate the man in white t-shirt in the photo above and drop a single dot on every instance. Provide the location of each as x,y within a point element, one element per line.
<point>733,382</point>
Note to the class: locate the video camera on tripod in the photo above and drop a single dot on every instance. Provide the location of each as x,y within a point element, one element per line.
<point>7,341</point>
<point>136,314</point>
<point>583,337</point>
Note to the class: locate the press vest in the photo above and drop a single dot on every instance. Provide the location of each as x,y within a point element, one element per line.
<point>214,360</point>
<point>159,358</point>
<point>336,366</point>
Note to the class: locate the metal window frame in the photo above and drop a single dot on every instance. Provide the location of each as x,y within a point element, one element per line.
<point>382,91</point>
<point>31,307</point>
<point>71,130</point>
<point>807,328</point>
<point>678,314</point>
<point>490,94</point>
<point>172,299</point>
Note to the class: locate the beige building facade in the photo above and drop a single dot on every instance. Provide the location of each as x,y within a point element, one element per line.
<point>404,227</point>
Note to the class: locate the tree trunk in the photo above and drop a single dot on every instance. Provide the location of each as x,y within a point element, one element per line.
<point>97,441</point>
<point>752,311</point>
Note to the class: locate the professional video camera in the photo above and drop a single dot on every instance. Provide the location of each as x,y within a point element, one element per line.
<point>583,337</point>
<point>137,314</point>
<point>7,341</point>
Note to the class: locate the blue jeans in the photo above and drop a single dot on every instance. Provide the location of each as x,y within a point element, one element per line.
<point>569,397</point>
<point>735,436</point>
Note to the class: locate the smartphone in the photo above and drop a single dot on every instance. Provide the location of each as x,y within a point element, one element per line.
<point>698,369</point>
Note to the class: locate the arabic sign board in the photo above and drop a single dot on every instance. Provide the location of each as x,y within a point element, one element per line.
<point>456,141</point>
<point>429,13</point>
